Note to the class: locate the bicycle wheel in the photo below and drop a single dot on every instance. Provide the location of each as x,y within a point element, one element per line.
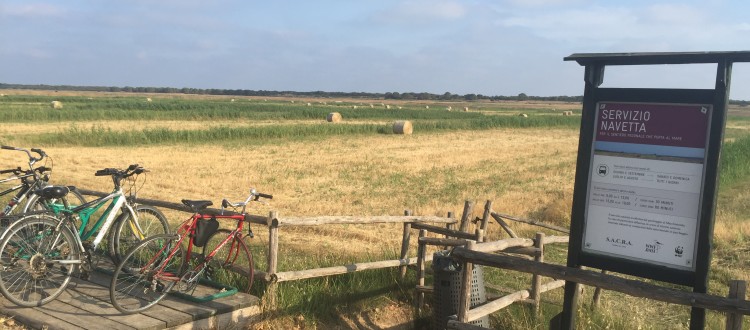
<point>232,264</point>
<point>147,273</point>
<point>36,203</point>
<point>126,234</point>
<point>37,260</point>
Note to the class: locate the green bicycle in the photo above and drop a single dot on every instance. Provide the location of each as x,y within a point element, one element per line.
<point>41,251</point>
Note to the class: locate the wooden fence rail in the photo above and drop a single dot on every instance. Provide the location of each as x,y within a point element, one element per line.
<point>735,305</point>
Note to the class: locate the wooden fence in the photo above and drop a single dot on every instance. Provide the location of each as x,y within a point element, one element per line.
<point>735,305</point>
<point>274,223</point>
<point>472,249</point>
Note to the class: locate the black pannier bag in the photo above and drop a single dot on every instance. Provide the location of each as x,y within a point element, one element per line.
<point>203,230</point>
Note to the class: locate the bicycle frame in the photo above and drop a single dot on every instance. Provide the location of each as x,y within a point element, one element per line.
<point>188,227</point>
<point>25,191</point>
<point>101,226</point>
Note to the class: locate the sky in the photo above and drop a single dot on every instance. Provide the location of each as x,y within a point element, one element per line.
<point>489,47</point>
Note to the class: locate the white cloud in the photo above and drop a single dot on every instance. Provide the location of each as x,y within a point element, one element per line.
<point>541,3</point>
<point>423,11</point>
<point>675,14</point>
<point>31,10</point>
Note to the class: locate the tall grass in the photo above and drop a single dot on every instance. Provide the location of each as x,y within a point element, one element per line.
<point>21,108</point>
<point>28,108</point>
<point>735,162</point>
<point>98,136</point>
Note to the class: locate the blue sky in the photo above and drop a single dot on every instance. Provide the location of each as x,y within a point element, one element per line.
<point>501,47</point>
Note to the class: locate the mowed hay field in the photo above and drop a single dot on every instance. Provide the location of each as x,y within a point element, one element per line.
<point>213,148</point>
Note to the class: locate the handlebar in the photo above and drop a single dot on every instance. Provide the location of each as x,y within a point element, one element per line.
<point>254,196</point>
<point>32,160</point>
<point>13,170</point>
<point>133,169</point>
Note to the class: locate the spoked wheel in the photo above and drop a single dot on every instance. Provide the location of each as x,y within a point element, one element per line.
<point>232,264</point>
<point>37,260</point>
<point>128,232</point>
<point>146,273</point>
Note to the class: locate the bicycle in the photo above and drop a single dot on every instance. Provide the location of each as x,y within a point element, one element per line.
<point>41,251</point>
<point>155,266</point>
<point>31,180</point>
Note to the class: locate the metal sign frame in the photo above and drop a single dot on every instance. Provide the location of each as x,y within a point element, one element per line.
<point>695,276</point>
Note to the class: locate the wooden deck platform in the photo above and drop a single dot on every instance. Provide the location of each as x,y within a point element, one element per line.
<point>86,305</point>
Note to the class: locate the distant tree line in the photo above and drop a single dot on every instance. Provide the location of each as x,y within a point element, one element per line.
<point>245,92</point>
<point>447,96</point>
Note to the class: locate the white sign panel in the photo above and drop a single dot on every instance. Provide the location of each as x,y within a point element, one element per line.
<point>646,182</point>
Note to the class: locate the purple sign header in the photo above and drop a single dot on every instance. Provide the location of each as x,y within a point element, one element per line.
<point>676,125</point>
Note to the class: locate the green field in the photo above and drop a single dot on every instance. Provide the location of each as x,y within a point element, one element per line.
<point>201,147</point>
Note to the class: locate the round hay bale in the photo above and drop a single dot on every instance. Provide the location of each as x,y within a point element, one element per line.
<point>402,127</point>
<point>56,105</point>
<point>334,117</point>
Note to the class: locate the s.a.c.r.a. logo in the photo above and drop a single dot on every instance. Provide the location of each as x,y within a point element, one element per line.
<point>618,241</point>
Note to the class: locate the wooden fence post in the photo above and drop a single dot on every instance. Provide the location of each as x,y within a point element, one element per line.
<point>405,244</point>
<point>536,280</point>
<point>485,219</point>
<point>468,210</point>
<point>736,291</point>
<point>450,226</point>
<point>465,294</point>
<point>421,251</point>
<point>597,295</point>
<point>273,253</point>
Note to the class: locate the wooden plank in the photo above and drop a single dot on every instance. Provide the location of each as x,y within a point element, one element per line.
<point>442,241</point>
<point>34,318</point>
<point>95,299</point>
<point>504,225</point>
<point>172,313</point>
<point>518,296</point>
<point>405,238</point>
<point>736,291</point>
<point>503,244</point>
<point>443,231</point>
<point>336,270</point>
<point>468,210</point>
<point>532,222</point>
<point>330,220</point>
<point>75,315</point>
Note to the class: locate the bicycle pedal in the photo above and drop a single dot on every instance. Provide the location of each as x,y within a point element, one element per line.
<point>85,276</point>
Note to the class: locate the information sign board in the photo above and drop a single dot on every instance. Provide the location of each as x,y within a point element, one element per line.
<point>645,182</point>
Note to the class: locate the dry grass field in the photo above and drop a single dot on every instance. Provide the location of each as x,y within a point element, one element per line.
<point>526,172</point>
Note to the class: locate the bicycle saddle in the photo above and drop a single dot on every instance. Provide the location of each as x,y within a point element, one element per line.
<point>196,206</point>
<point>52,191</point>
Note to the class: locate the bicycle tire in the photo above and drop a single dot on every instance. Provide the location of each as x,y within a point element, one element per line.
<point>232,264</point>
<point>26,278</point>
<point>150,219</point>
<point>134,287</point>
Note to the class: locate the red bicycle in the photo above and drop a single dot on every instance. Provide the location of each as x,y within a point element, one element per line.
<point>164,263</point>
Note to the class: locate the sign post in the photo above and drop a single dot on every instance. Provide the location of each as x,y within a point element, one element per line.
<point>646,175</point>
